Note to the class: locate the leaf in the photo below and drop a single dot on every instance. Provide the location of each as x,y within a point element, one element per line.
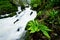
<point>43,27</point>
<point>30,28</point>
<point>48,30</point>
<point>45,33</point>
<point>32,31</point>
<point>40,13</point>
<point>35,5</point>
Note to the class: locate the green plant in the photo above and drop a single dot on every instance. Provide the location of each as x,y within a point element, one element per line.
<point>53,13</point>
<point>35,26</point>
<point>35,3</point>
<point>39,13</point>
<point>47,12</point>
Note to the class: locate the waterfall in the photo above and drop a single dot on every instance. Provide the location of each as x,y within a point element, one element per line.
<point>13,28</point>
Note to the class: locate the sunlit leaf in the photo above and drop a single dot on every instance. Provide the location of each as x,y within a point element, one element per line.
<point>46,34</point>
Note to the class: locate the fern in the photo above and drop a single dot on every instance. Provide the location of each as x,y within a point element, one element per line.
<point>35,26</point>
<point>53,13</point>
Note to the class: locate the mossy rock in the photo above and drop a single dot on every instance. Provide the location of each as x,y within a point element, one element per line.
<point>7,7</point>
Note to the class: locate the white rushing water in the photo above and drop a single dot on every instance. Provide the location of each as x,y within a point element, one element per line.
<point>13,28</point>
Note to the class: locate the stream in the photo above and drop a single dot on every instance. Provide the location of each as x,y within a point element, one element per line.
<point>13,28</point>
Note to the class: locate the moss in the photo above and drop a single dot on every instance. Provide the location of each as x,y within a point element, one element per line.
<point>7,7</point>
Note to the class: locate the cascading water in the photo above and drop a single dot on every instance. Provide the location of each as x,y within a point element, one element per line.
<point>13,28</point>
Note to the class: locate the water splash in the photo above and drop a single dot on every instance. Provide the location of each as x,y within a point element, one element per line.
<point>13,31</point>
